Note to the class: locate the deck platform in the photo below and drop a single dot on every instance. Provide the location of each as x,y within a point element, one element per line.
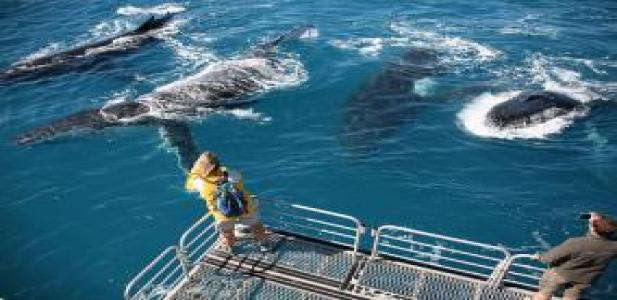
<point>329,264</point>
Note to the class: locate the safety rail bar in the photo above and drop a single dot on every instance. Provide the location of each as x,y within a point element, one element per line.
<point>520,273</point>
<point>289,216</point>
<point>203,234</point>
<point>411,245</point>
<point>170,280</point>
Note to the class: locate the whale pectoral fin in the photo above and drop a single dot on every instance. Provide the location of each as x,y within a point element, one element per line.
<point>178,137</point>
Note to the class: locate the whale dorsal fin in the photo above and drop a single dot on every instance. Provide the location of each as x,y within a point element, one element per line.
<point>153,23</point>
<point>294,33</point>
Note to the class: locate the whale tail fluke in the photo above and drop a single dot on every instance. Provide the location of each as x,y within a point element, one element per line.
<point>92,119</point>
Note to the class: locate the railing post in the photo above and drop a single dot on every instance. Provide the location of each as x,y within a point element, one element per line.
<point>184,259</point>
<point>360,230</point>
<point>375,233</point>
<point>501,271</point>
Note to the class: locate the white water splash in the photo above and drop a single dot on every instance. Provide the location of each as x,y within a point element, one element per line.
<point>459,50</point>
<point>111,28</point>
<point>365,46</point>
<point>541,241</point>
<point>543,71</point>
<point>47,50</point>
<point>530,25</point>
<point>425,87</point>
<point>473,118</point>
<point>166,8</point>
<point>191,55</point>
<point>247,114</point>
<point>456,51</point>
<point>310,33</point>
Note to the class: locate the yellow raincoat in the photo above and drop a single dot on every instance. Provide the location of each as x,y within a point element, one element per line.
<point>206,186</point>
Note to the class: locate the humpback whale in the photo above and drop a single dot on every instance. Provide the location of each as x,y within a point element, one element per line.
<point>226,84</point>
<point>386,101</point>
<point>531,108</point>
<point>82,55</point>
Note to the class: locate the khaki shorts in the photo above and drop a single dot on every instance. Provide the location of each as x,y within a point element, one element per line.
<point>229,225</point>
<point>551,282</point>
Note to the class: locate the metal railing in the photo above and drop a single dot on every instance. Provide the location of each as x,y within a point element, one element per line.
<point>526,274</point>
<point>329,226</point>
<point>157,278</point>
<point>489,265</point>
<point>196,241</point>
<point>443,252</point>
<point>174,263</point>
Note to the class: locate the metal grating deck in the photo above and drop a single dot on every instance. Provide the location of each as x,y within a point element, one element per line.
<point>399,280</point>
<point>315,254</point>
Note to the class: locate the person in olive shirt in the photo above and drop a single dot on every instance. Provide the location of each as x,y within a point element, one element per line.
<point>577,262</point>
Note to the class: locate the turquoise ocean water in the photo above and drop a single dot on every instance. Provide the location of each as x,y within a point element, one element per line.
<point>83,213</point>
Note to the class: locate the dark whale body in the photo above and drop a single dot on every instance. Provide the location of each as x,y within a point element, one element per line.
<point>226,84</point>
<point>530,108</point>
<point>386,102</point>
<point>84,56</point>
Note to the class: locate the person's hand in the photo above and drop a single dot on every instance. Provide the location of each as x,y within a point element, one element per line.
<point>535,256</point>
<point>594,216</point>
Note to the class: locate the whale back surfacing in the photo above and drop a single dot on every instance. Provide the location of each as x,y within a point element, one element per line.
<point>83,55</point>
<point>386,102</point>
<point>531,107</point>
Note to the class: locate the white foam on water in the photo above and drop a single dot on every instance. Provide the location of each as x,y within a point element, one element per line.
<point>541,241</point>
<point>111,28</point>
<point>365,46</point>
<point>530,26</point>
<point>192,55</point>
<point>162,9</point>
<point>528,30</point>
<point>247,114</point>
<point>310,33</point>
<point>47,50</point>
<point>457,51</point>
<point>543,71</point>
<point>425,87</point>
<point>473,118</point>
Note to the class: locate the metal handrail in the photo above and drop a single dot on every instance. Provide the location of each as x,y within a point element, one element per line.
<point>442,248</point>
<point>511,263</point>
<point>380,236</point>
<point>436,236</point>
<point>186,233</point>
<point>184,244</point>
<point>358,227</point>
<point>129,287</point>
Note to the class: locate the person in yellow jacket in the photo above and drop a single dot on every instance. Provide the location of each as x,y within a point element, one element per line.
<point>205,177</point>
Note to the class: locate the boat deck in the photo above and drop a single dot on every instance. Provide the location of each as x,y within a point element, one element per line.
<point>329,264</point>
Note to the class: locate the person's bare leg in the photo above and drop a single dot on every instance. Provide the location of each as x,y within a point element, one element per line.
<point>229,239</point>
<point>259,232</point>
<point>541,296</point>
